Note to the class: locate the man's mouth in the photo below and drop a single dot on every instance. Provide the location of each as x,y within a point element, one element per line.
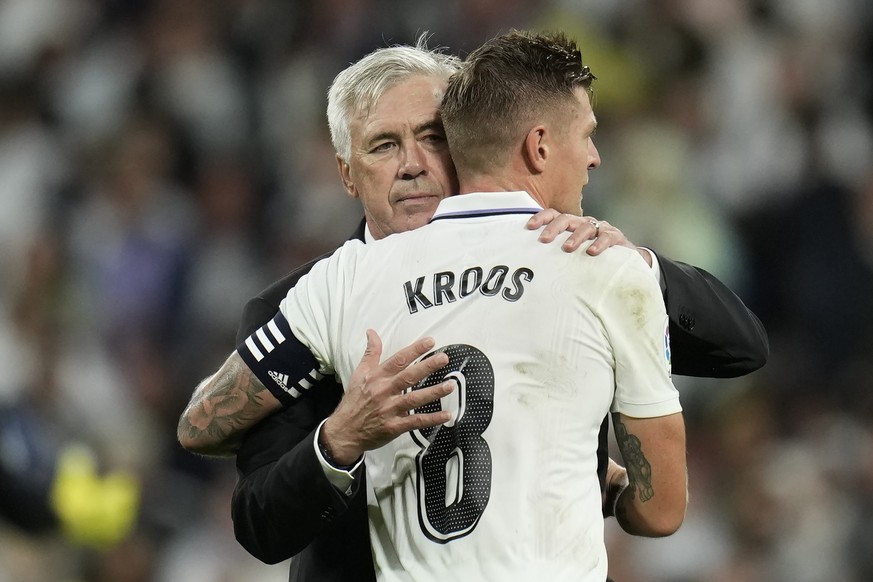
<point>417,197</point>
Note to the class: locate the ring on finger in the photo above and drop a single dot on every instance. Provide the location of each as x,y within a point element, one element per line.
<point>596,225</point>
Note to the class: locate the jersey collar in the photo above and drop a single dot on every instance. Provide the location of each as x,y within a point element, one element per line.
<point>478,204</point>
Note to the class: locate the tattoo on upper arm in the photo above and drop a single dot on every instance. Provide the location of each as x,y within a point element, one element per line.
<point>639,470</point>
<point>223,407</point>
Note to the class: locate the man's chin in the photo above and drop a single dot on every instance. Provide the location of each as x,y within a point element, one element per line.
<point>419,210</point>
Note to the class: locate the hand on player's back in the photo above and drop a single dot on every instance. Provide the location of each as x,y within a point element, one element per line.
<point>583,228</point>
<point>377,403</point>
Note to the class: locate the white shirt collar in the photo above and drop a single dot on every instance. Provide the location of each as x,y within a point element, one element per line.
<point>478,203</point>
<point>486,203</point>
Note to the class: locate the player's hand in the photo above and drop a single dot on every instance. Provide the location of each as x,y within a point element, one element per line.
<point>583,228</point>
<point>616,482</point>
<point>376,406</point>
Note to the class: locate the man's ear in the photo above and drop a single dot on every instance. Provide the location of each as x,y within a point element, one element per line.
<point>346,176</point>
<point>536,149</point>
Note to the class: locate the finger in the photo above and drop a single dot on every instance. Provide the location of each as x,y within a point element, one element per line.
<point>373,351</point>
<point>420,421</point>
<point>609,237</point>
<point>418,371</point>
<point>405,356</point>
<point>542,217</point>
<point>417,398</point>
<point>600,244</point>
<point>583,233</point>
<point>562,223</point>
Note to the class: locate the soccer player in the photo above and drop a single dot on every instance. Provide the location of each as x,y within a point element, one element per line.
<point>535,346</point>
<point>727,340</point>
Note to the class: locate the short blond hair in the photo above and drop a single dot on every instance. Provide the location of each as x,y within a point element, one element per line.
<point>501,87</point>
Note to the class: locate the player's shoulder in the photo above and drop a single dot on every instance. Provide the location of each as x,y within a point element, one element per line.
<point>616,265</point>
<point>348,254</point>
<point>624,256</point>
<point>609,259</point>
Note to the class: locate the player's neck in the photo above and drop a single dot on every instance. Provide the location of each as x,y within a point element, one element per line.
<point>491,183</point>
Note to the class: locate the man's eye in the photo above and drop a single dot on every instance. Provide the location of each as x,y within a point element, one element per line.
<point>434,138</point>
<point>383,147</point>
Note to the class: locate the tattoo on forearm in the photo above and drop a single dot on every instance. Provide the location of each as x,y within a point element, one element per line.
<point>639,470</point>
<point>222,407</point>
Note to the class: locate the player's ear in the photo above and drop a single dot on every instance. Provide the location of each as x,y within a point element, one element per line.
<point>345,173</point>
<point>536,149</point>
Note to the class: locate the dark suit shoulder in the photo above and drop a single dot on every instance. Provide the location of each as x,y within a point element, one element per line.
<point>261,308</point>
<point>712,332</point>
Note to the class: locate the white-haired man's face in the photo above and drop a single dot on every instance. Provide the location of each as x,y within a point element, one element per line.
<point>400,167</point>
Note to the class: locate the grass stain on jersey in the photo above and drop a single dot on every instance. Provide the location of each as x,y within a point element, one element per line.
<point>635,299</point>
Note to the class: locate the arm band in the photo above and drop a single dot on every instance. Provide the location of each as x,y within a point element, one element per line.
<point>280,361</point>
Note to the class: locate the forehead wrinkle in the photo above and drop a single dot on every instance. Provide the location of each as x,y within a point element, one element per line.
<point>432,124</point>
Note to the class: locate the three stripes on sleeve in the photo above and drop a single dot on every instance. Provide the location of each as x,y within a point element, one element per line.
<point>280,361</point>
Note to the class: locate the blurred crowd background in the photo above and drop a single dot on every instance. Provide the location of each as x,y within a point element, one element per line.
<point>161,161</point>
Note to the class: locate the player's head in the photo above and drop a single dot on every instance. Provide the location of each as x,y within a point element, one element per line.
<point>383,113</point>
<point>519,108</point>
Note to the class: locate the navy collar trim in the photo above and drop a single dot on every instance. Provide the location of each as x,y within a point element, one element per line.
<point>480,213</point>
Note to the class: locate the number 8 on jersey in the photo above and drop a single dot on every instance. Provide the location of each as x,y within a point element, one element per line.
<point>454,465</point>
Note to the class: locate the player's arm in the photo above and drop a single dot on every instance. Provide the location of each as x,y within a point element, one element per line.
<point>653,449</point>
<point>223,407</point>
<point>256,381</point>
<point>270,368</point>
<point>647,417</point>
<point>713,334</point>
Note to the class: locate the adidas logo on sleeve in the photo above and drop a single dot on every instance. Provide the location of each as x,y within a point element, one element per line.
<point>280,361</point>
<point>280,379</point>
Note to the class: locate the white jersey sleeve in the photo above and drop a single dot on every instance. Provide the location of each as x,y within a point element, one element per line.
<point>296,350</point>
<point>633,314</point>
<point>315,306</point>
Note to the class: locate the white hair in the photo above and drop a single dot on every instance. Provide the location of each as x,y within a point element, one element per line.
<point>360,86</point>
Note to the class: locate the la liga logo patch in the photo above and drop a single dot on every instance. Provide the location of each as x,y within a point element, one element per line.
<point>667,353</point>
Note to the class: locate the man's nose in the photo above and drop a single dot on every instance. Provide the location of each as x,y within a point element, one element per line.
<point>593,156</point>
<point>412,163</point>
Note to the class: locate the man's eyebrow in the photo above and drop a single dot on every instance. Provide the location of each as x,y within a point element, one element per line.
<point>383,135</point>
<point>432,125</point>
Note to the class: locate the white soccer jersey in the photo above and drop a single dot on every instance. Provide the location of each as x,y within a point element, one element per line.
<point>542,344</point>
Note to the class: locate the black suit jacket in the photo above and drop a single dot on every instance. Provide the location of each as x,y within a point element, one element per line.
<point>283,505</point>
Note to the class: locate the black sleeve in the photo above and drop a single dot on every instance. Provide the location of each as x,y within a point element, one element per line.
<point>283,500</point>
<point>712,333</point>
<point>284,506</point>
